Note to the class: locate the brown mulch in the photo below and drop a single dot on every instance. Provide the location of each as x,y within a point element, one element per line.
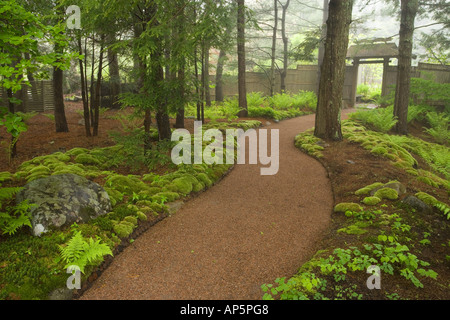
<point>245,231</point>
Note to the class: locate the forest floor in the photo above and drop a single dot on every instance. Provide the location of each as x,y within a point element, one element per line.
<point>344,168</point>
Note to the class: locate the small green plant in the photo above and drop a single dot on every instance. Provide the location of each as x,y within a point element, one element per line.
<point>81,253</point>
<point>15,126</point>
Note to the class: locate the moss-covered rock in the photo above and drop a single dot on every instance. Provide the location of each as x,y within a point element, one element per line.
<point>77,151</point>
<point>371,201</point>
<point>181,185</point>
<point>141,216</point>
<point>368,189</point>
<point>203,177</point>
<point>427,198</point>
<point>167,196</point>
<point>348,206</point>
<point>386,193</point>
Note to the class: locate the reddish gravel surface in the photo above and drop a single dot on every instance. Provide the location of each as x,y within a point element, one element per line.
<point>222,245</point>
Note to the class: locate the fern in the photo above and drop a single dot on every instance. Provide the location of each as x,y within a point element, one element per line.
<point>15,218</point>
<point>445,209</point>
<point>8,194</point>
<point>81,253</point>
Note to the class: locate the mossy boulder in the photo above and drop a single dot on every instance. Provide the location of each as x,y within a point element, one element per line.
<point>386,193</point>
<point>61,200</point>
<point>427,198</point>
<point>371,201</point>
<point>348,206</point>
<point>123,229</point>
<point>368,189</point>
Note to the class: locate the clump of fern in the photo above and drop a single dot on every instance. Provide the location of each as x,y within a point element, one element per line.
<point>81,252</point>
<point>380,119</point>
<point>12,218</point>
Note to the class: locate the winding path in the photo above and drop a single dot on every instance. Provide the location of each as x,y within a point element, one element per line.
<point>222,245</point>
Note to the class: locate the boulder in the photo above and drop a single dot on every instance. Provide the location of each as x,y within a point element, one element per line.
<point>397,186</point>
<point>61,200</point>
<point>418,205</point>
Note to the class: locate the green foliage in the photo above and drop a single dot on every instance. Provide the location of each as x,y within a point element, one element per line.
<point>82,253</point>
<point>425,91</point>
<point>380,119</point>
<point>347,206</point>
<point>14,125</point>
<point>439,130</point>
<point>307,142</point>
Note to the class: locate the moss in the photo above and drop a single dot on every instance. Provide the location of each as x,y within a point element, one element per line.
<point>371,201</point>
<point>77,151</point>
<point>348,206</point>
<point>203,177</point>
<point>141,216</point>
<point>428,181</point>
<point>84,158</point>
<point>114,195</point>
<point>126,184</point>
<point>427,198</point>
<point>159,208</point>
<point>352,229</point>
<point>123,230</point>
<point>367,189</point>
<point>167,195</point>
<point>379,151</point>
<point>386,193</point>
<point>131,219</point>
<point>181,185</point>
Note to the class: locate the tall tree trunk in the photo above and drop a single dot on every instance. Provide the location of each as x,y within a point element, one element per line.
<point>206,77</point>
<point>328,122</point>
<point>274,47</point>
<point>322,40</point>
<point>87,124</point>
<point>11,108</point>
<point>219,75</point>
<point>60,115</point>
<point>285,45</point>
<point>114,75</point>
<point>98,85</point>
<point>241,59</point>
<point>408,15</point>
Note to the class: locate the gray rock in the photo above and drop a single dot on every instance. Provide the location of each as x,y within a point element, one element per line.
<point>417,204</point>
<point>61,294</point>
<point>62,200</point>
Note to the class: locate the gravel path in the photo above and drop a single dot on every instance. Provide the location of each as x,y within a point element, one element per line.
<point>245,231</point>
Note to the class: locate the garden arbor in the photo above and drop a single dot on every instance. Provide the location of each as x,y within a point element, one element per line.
<point>375,51</point>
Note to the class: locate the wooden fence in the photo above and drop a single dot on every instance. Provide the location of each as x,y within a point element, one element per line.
<point>37,97</point>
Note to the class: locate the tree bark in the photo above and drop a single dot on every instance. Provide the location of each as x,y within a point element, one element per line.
<point>328,122</point>
<point>285,46</point>
<point>241,59</point>
<point>60,115</point>
<point>321,42</point>
<point>114,75</point>
<point>87,123</point>
<point>206,76</point>
<point>98,84</point>
<point>408,13</point>
<point>274,46</point>
<point>219,76</point>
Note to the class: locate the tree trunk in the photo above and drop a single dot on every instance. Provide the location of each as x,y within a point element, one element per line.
<point>87,124</point>
<point>408,14</point>
<point>114,76</point>
<point>274,45</point>
<point>322,40</point>
<point>285,46</point>
<point>328,122</point>
<point>206,77</point>
<point>219,76</point>
<point>60,115</point>
<point>98,84</point>
<point>241,59</point>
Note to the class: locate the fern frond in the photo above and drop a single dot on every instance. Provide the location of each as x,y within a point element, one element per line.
<point>74,248</point>
<point>81,253</point>
<point>8,193</point>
